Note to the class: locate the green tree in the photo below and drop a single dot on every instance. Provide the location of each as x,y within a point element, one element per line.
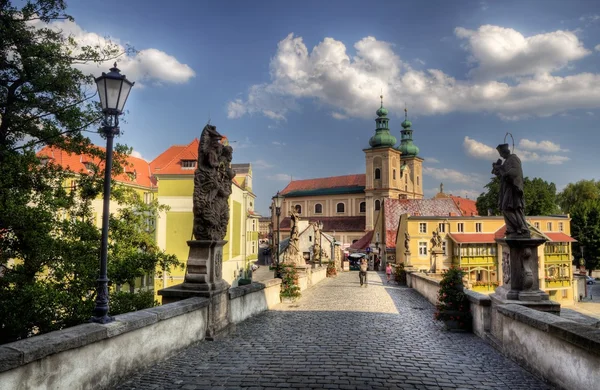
<point>49,245</point>
<point>585,228</point>
<point>575,193</point>
<point>539,195</point>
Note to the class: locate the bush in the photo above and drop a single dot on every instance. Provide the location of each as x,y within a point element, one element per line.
<point>453,303</point>
<point>125,302</point>
<point>289,281</point>
<point>400,274</point>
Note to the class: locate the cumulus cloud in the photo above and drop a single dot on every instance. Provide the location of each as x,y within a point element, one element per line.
<point>280,177</point>
<point>501,52</point>
<point>452,175</point>
<point>148,65</point>
<point>337,115</point>
<point>136,154</point>
<point>351,84</point>
<point>482,151</point>
<point>597,48</point>
<point>431,160</point>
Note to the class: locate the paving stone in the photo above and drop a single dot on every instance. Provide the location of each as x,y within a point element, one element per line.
<point>339,335</point>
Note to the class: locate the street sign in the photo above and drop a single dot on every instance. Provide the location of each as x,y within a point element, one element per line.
<point>368,249</point>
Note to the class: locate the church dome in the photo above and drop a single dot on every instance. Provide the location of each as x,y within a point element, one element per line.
<point>382,138</point>
<point>406,124</point>
<point>408,149</point>
<point>382,111</point>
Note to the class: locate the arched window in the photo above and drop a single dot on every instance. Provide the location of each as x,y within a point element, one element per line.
<point>377,205</point>
<point>340,208</point>
<point>417,180</point>
<point>377,173</point>
<point>363,207</point>
<point>318,208</point>
<point>394,174</point>
<point>298,209</point>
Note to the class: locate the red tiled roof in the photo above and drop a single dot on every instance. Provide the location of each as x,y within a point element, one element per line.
<point>76,163</point>
<point>340,224</point>
<point>467,207</point>
<point>169,161</point>
<point>500,233</point>
<point>363,242</point>
<point>358,180</point>
<point>468,238</point>
<point>560,237</point>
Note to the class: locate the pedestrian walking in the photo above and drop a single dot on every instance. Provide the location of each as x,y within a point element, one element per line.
<point>388,272</point>
<point>362,273</point>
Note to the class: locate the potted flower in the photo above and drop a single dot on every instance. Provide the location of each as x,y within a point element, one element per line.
<point>290,291</point>
<point>400,274</point>
<point>453,306</point>
<point>331,271</point>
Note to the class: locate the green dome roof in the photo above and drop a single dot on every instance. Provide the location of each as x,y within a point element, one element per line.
<point>382,111</point>
<point>408,149</point>
<point>382,138</point>
<point>406,124</point>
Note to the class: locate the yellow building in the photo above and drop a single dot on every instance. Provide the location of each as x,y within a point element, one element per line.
<point>174,172</point>
<point>469,242</point>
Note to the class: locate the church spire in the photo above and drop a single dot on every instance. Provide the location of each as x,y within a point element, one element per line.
<point>407,147</point>
<point>382,137</point>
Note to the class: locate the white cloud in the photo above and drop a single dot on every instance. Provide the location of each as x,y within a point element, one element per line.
<point>150,64</point>
<point>135,153</point>
<point>280,177</point>
<point>337,115</point>
<point>543,146</point>
<point>351,84</point>
<point>501,52</point>
<point>277,143</point>
<point>597,48</point>
<point>589,19</point>
<point>431,160</point>
<point>451,175</point>
<point>261,164</point>
<point>479,150</point>
<point>482,151</point>
<point>419,61</point>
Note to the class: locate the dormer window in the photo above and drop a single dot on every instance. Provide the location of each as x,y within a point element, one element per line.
<point>89,166</point>
<point>44,160</point>
<point>188,164</point>
<point>132,175</point>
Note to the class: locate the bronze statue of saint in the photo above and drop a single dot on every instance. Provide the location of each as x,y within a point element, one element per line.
<point>510,198</point>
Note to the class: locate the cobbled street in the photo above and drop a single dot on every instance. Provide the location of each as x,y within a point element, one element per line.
<point>341,336</point>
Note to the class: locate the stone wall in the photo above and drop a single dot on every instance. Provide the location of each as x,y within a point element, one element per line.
<point>563,350</point>
<point>310,276</point>
<point>92,356</point>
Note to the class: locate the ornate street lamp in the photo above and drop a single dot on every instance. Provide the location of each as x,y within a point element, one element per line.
<point>113,89</point>
<point>320,226</point>
<point>278,200</point>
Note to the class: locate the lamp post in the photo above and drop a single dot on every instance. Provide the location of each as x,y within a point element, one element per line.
<point>378,254</point>
<point>320,226</point>
<point>113,89</point>
<point>278,200</point>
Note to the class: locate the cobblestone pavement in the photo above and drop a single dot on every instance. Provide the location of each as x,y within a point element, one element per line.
<point>341,336</point>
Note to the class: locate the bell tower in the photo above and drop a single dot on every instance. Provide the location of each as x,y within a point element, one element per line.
<point>412,165</point>
<point>382,167</point>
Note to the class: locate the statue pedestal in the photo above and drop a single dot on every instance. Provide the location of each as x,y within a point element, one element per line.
<point>203,278</point>
<point>521,281</point>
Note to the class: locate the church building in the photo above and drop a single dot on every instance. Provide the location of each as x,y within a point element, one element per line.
<point>348,205</point>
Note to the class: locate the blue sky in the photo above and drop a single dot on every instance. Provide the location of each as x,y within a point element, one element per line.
<point>295,86</point>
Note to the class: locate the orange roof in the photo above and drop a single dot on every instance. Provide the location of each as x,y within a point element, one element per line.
<point>76,163</point>
<point>358,180</point>
<point>169,161</point>
<point>363,242</point>
<point>560,237</point>
<point>467,207</point>
<point>473,238</point>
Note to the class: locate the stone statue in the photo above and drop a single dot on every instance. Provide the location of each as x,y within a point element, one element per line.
<point>212,186</point>
<point>436,241</point>
<point>407,242</point>
<point>317,246</point>
<point>510,199</point>
<point>292,253</point>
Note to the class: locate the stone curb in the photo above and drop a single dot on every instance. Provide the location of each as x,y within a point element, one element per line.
<point>240,291</point>
<point>477,298</point>
<point>19,353</point>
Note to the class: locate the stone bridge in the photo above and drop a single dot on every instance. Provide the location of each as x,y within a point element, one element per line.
<point>341,336</point>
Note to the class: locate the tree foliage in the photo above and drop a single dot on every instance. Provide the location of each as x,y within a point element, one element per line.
<point>539,195</point>
<point>585,228</point>
<point>575,193</point>
<point>49,242</point>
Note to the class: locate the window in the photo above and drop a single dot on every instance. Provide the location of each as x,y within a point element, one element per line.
<point>422,249</point>
<point>537,225</point>
<point>549,226</point>
<point>377,173</point>
<point>318,208</point>
<point>406,188</point>
<point>377,205</point>
<point>340,208</point>
<point>417,180</point>
<point>254,225</point>
<point>444,247</point>
<point>560,226</point>
<point>309,238</point>
<point>478,228</point>
<point>423,227</point>
<point>188,164</point>
<point>253,248</point>
<point>394,174</point>
<point>298,209</point>
<point>460,227</point>
<point>363,207</point>
<point>442,227</point>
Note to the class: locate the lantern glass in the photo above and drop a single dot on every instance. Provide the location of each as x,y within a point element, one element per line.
<point>278,199</point>
<point>113,88</point>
